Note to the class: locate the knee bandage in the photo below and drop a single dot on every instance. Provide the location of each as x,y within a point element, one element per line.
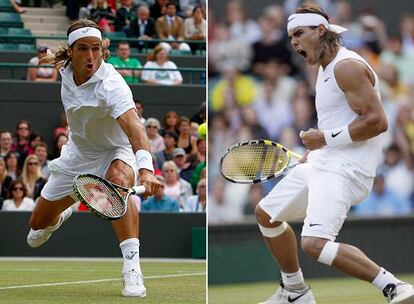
<point>275,231</point>
<point>328,253</point>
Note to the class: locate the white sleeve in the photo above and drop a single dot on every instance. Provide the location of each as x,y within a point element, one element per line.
<point>146,75</point>
<point>176,74</point>
<point>118,96</point>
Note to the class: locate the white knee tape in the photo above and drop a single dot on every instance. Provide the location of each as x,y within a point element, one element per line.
<point>328,253</point>
<point>273,232</point>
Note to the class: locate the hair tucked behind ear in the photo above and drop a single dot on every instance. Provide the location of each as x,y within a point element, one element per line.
<point>59,57</point>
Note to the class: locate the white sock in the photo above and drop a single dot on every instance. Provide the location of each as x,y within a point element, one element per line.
<point>384,278</point>
<point>293,280</point>
<point>130,252</point>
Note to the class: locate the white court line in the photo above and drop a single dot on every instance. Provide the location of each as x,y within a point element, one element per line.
<point>102,280</point>
<point>93,259</point>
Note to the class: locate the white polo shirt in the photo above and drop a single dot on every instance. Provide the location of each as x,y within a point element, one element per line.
<point>92,109</point>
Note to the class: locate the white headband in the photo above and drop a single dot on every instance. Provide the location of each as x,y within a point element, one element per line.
<point>84,32</point>
<point>310,19</point>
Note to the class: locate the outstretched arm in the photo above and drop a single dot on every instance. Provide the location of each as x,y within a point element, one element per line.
<point>133,128</point>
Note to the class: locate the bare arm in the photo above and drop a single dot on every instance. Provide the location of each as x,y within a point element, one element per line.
<point>357,83</point>
<point>133,128</point>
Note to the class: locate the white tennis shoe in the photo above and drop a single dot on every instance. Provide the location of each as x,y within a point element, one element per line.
<point>36,238</point>
<point>401,293</point>
<point>285,295</point>
<point>133,284</point>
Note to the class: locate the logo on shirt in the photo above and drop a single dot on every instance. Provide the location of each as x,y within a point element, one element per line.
<point>336,134</point>
<point>327,79</point>
<point>311,225</point>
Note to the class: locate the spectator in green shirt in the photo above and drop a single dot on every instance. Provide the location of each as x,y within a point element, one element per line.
<point>122,60</point>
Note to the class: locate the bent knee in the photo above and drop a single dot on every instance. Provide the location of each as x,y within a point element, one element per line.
<point>313,246</point>
<point>262,217</point>
<point>120,173</point>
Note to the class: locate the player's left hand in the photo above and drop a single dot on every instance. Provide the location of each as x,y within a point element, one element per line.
<point>312,139</point>
<point>150,182</point>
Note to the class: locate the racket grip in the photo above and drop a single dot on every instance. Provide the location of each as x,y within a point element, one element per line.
<point>139,189</point>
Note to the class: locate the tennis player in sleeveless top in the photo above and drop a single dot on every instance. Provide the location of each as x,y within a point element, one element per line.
<point>339,169</point>
<point>106,138</point>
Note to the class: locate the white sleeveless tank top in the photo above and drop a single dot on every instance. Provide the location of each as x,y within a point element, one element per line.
<point>334,112</point>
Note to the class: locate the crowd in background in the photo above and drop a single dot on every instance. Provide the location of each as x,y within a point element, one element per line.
<point>179,161</point>
<point>258,88</point>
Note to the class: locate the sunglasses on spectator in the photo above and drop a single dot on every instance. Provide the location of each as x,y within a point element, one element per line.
<point>32,164</point>
<point>17,188</point>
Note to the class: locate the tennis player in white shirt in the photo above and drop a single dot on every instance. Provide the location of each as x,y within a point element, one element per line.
<point>106,139</point>
<point>339,173</point>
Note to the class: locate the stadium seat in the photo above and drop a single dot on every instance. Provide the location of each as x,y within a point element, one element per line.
<point>179,53</point>
<point>20,32</point>
<point>10,20</point>
<point>5,6</point>
<point>26,47</point>
<point>8,47</point>
<point>111,35</point>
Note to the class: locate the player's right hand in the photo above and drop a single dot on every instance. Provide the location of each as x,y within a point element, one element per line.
<point>304,157</point>
<point>150,182</point>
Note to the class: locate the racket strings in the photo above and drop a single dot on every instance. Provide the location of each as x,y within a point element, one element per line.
<point>100,197</point>
<point>254,161</point>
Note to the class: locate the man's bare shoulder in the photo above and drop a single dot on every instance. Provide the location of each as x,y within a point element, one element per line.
<point>351,73</point>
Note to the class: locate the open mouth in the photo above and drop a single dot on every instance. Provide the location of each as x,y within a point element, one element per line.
<point>89,66</point>
<point>302,53</point>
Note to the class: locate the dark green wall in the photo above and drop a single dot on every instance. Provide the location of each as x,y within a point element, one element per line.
<point>164,235</point>
<point>238,254</point>
<point>40,103</point>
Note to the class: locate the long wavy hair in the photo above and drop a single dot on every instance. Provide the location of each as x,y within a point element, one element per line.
<point>60,58</point>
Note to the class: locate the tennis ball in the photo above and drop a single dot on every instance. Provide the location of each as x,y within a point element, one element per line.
<point>202,131</point>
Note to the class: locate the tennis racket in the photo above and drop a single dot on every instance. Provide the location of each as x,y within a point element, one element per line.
<point>103,198</point>
<point>256,161</point>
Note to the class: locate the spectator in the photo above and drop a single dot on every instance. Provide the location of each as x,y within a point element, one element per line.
<point>198,202</point>
<point>140,109</point>
<point>160,202</point>
<point>41,151</point>
<point>22,144</point>
<point>32,178</point>
<point>152,126</point>
<point>6,142</point>
<point>171,121</point>
<point>198,171</point>
<point>60,140</point>
<point>158,9</point>
<point>170,142</point>
<point>158,59</point>
<point>5,181</point>
<point>17,8</point>
<point>124,15</point>
<point>185,139</point>
<point>12,165</point>
<point>382,201</point>
<point>63,128</point>
<point>171,27</point>
<point>407,32</point>
<point>142,27</point>
<point>103,15</point>
<point>18,199</point>
<point>184,167</point>
<point>200,156</point>
<point>41,73</point>
<point>122,60</point>
<point>175,187</point>
<point>200,116</point>
<point>195,27</point>
<point>34,140</point>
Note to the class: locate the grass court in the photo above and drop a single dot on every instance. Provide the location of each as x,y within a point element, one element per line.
<point>326,291</point>
<point>45,281</point>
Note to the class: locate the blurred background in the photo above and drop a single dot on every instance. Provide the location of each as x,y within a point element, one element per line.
<point>259,89</point>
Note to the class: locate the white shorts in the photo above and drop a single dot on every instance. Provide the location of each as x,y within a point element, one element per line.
<point>322,197</point>
<point>72,162</point>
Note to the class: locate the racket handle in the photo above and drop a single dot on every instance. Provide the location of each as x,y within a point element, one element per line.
<point>139,189</point>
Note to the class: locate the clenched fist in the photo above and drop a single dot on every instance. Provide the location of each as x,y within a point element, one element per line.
<point>312,139</point>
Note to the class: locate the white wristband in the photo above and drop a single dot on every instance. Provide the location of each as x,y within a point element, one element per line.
<point>144,160</point>
<point>337,137</point>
